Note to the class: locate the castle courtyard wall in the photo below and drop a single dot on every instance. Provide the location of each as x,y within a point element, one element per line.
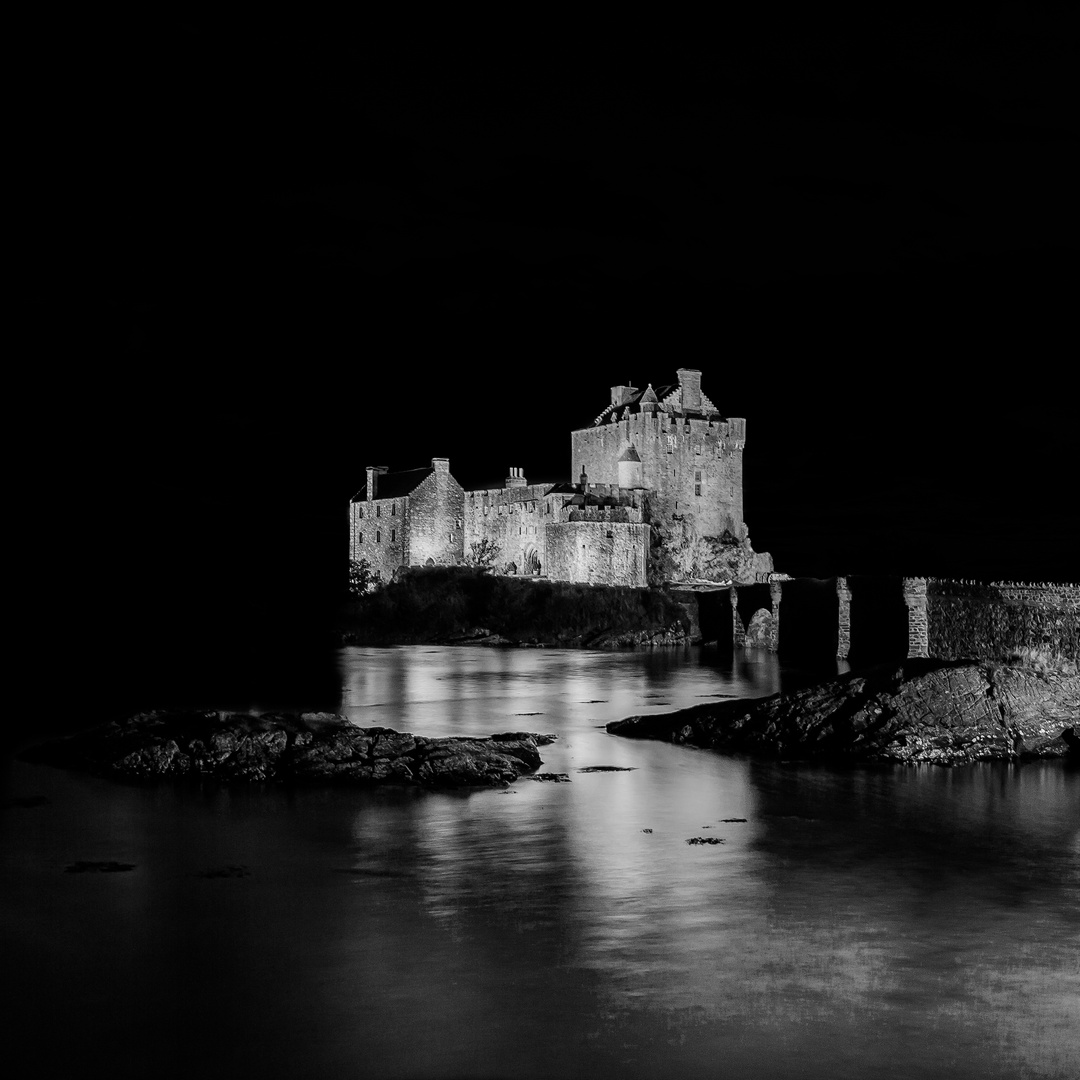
<point>513,518</point>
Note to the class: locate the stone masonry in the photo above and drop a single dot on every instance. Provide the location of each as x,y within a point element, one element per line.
<point>659,475</point>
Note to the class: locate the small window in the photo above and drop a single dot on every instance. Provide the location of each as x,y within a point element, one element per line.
<point>378,511</point>
<point>393,535</point>
<point>697,489</point>
<point>359,538</point>
<point>393,510</point>
<point>378,536</point>
<point>360,512</point>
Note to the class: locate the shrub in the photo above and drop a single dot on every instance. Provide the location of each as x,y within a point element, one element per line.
<point>363,578</point>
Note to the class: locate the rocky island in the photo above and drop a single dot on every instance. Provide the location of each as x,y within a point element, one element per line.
<point>948,713</point>
<point>289,748</point>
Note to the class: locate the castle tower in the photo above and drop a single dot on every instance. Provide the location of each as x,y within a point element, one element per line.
<point>673,442</point>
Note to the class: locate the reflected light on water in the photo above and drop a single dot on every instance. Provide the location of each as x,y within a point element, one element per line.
<point>888,922</point>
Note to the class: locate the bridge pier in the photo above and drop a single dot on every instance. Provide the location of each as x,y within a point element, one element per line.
<point>843,624</point>
<point>775,593</point>
<point>738,631</point>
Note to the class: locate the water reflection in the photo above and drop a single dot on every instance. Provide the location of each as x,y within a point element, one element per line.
<point>892,922</point>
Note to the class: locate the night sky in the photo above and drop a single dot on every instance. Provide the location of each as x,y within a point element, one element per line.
<point>306,256</point>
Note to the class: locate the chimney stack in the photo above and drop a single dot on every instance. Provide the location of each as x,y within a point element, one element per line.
<point>690,384</point>
<point>620,395</point>
<point>373,473</point>
<point>516,478</point>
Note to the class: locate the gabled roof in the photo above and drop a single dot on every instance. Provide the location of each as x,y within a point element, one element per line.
<point>395,485</point>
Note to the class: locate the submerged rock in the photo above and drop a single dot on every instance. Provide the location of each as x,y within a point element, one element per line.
<point>285,747</point>
<point>948,713</point>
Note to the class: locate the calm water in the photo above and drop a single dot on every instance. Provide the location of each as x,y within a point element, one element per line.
<point>888,922</point>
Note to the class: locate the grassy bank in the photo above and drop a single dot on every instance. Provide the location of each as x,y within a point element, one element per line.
<point>437,604</point>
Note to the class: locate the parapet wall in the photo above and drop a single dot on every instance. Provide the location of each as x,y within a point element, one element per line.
<point>989,621</point>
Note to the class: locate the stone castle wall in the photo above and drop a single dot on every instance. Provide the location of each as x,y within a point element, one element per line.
<point>512,517</point>
<point>436,519</point>
<point>598,552</point>
<point>970,619</point>
<point>379,533</point>
<point>693,466</point>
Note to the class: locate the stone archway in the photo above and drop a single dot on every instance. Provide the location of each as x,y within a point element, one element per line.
<point>532,560</point>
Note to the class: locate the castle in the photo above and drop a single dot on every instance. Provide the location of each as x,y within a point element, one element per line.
<point>659,496</point>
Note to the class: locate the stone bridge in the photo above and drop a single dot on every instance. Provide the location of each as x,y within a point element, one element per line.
<point>869,619</point>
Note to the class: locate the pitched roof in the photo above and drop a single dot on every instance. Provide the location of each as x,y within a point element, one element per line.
<point>395,485</point>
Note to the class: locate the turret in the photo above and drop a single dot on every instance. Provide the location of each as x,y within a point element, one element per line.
<point>630,475</point>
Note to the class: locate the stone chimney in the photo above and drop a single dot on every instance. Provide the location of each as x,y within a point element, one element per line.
<point>441,464</point>
<point>690,384</point>
<point>620,395</point>
<point>516,478</point>
<point>373,474</point>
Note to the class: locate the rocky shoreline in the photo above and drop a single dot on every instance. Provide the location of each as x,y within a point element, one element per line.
<point>293,748</point>
<point>947,713</point>
<point>665,637</point>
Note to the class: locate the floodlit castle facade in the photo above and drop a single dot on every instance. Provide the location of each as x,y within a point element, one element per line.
<point>658,496</point>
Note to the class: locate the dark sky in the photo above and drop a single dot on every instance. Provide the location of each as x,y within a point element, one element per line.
<point>305,256</point>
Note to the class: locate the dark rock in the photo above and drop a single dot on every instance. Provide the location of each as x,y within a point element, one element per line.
<point>309,747</point>
<point>550,777</point>
<point>608,768</point>
<point>1072,741</point>
<point>730,820</point>
<point>705,840</point>
<point>647,830</point>
<point>949,713</point>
